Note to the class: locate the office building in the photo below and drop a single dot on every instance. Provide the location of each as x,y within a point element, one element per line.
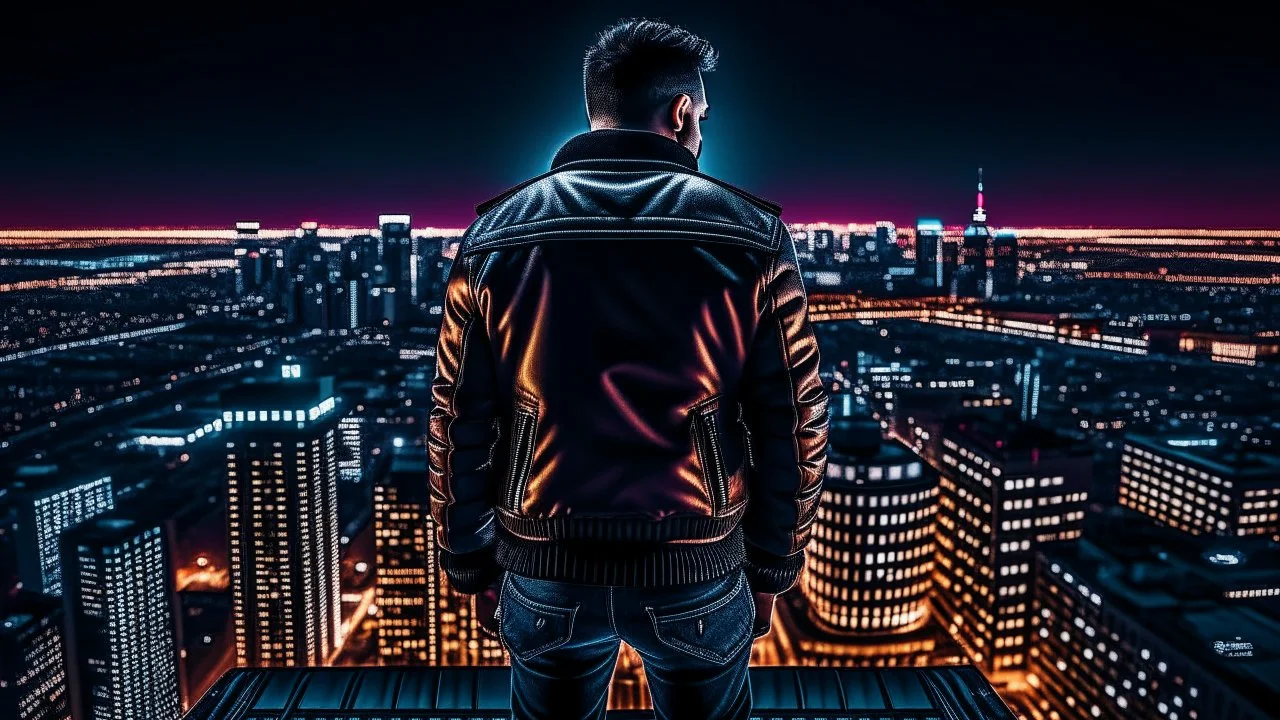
<point>929,253</point>
<point>33,676</point>
<point>1006,490</point>
<point>869,569</point>
<point>1119,636</point>
<point>122,648</point>
<point>50,500</point>
<point>408,573</point>
<point>1004,264</point>
<point>1201,485</point>
<point>282,515</point>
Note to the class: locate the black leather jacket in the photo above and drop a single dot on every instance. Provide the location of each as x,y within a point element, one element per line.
<point>627,387</point>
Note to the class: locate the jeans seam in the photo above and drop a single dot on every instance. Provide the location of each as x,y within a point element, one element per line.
<point>612,625</point>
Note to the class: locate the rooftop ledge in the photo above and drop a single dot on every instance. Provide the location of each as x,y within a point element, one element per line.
<point>482,693</point>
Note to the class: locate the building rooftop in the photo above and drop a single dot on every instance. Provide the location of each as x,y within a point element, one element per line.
<point>1177,594</point>
<point>483,693</point>
<point>1209,452</point>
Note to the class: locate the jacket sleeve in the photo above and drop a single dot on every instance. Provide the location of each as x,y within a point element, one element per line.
<point>785,408</point>
<point>463,433</point>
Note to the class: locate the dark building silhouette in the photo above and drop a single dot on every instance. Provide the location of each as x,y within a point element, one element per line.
<point>1004,264</point>
<point>973,277</point>
<point>930,260</point>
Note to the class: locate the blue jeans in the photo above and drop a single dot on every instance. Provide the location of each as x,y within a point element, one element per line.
<point>563,639</point>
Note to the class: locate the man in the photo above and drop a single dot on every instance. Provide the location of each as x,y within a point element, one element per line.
<point>629,432</point>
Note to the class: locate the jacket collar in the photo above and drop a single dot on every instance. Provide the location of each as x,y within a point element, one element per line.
<point>623,144</point>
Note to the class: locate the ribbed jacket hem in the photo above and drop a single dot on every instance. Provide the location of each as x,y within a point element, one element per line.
<point>622,564</point>
<point>620,529</point>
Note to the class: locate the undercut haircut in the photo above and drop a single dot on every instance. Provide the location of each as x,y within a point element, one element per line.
<point>636,66</point>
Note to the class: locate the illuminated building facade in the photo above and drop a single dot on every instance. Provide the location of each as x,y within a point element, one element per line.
<point>1006,490</point>
<point>930,265</point>
<point>408,576</point>
<point>121,646</point>
<point>51,500</point>
<point>282,516</point>
<point>33,677</point>
<point>1122,639</point>
<point>869,569</point>
<point>1199,487</point>
<point>351,448</point>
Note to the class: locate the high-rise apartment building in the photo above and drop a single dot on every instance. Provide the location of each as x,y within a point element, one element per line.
<point>49,500</point>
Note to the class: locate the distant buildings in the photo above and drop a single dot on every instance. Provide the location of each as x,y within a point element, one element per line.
<point>1142,631</point>
<point>122,648</point>
<point>1004,264</point>
<point>33,676</point>
<point>1005,491</point>
<point>50,500</point>
<point>1196,486</point>
<point>931,267</point>
<point>282,511</point>
<point>869,570</point>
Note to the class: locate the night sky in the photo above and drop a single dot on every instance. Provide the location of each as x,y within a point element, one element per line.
<point>1161,114</point>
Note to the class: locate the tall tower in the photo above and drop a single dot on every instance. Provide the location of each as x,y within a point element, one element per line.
<point>975,255</point>
<point>282,516</point>
<point>50,500</point>
<point>121,646</point>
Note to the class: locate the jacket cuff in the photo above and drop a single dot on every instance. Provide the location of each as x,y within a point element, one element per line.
<point>769,573</point>
<point>472,572</point>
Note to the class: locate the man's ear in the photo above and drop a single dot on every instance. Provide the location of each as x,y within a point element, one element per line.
<point>681,106</point>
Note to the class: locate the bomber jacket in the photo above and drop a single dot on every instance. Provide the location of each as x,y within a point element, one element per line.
<point>626,388</point>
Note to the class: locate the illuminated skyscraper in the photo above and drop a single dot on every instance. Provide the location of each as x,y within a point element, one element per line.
<point>1005,491</point>
<point>282,513</point>
<point>400,264</point>
<point>1194,485</point>
<point>929,255</point>
<point>1028,382</point>
<point>49,501</point>
<point>974,274</point>
<point>870,565</point>
<point>121,644</point>
<point>33,676</point>
<point>408,576</point>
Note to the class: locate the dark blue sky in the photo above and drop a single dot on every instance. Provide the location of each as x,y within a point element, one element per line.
<point>1157,114</point>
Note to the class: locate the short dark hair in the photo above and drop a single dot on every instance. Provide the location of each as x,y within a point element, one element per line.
<point>637,65</point>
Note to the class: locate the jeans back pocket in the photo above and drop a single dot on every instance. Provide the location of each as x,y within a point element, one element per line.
<point>716,631</point>
<point>530,628</point>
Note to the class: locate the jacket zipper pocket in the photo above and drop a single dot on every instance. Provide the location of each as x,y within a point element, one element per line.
<point>523,429</point>
<point>711,457</point>
<point>746,439</point>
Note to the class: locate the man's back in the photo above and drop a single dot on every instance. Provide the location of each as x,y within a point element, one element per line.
<point>628,307</point>
<point>629,431</point>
